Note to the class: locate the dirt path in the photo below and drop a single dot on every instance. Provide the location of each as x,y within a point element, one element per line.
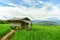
<point>7,36</point>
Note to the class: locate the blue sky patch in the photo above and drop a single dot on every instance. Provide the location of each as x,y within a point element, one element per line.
<point>4,5</point>
<point>34,3</point>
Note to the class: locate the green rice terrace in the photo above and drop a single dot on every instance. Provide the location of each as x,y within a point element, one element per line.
<point>4,29</point>
<point>38,32</point>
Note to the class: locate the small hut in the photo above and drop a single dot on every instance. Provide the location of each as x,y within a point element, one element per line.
<point>20,23</point>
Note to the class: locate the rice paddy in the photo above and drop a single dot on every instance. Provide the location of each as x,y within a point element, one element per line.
<point>38,33</point>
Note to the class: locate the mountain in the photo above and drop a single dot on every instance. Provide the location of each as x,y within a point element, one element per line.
<point>38,21</point>
<point>57,21</point>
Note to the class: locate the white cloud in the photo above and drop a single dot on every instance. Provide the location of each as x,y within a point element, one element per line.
<point>38,14</point>
<point>27,0</point>
<point>41,2</point>
<point>43,14</point>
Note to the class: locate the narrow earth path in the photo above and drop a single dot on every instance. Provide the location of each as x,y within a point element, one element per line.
<point>7,36</point>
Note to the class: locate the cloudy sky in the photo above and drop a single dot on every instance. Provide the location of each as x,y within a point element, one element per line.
<point>34,9</point>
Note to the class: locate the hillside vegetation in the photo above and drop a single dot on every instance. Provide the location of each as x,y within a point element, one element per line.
<point>38,32</point>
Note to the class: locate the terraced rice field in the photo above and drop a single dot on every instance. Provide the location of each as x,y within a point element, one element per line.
<point>4,29</point>
<point>38,32</point>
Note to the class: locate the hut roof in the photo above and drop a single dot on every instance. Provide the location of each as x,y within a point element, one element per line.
<point>24,19</point>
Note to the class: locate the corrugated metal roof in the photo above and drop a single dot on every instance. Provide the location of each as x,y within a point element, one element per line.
<point>22,18</point>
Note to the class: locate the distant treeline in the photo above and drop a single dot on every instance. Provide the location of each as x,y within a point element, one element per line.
<point>3,22</point>
<point>47,23</point>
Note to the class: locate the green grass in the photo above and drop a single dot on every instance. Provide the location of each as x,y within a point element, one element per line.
<point>38,33</point>
<point>4,28</point>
